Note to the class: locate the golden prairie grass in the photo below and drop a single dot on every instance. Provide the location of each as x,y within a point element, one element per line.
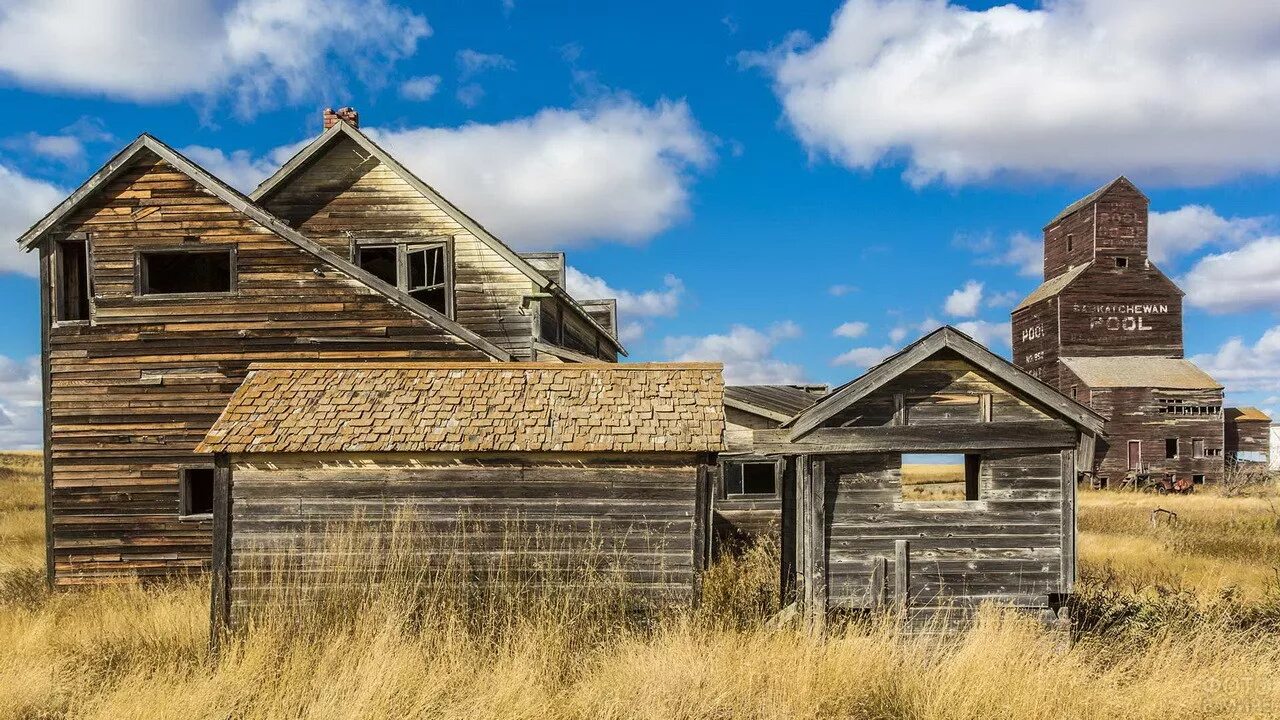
<point>922,481</point>
<point>132,652</point>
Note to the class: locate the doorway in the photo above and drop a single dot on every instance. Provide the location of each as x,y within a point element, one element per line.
<point>1135,454</point>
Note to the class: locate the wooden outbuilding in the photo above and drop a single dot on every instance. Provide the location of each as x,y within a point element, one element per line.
<point>618,456</point>
<point>850,541</point>
<point>1248,435</point>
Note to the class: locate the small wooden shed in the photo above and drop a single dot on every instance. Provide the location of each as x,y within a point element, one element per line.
<point>850,541</point>
<point>619,454</point>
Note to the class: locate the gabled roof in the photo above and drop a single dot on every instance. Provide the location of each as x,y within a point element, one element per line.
<point>346,130</point>
<point>776,402</point>
<point>473,407</point>
<point>1052,287</point>
<point>1140,371</point>
<point>146,143</point>
<point>1247,414</point>
<point>1093,197</point>
<point>945,337</point>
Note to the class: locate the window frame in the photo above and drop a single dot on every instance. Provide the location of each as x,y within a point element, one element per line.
<point>1202,447</point>
<point>1122,261</point>
<point>972,462</point>
<point>404,247</point>
<point>140,271</point>
<point>184,492</point>
<point>1177,448</point>
<point>722,490</point>
<point>58,299</point>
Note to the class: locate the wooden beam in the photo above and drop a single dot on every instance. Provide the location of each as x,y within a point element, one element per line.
<point>46,384</point>
<point>1068,529</point>
<point>220,590</point>
<point>902,575</point>
<point>817,530</point>
<point>961,437</point>
<point>879,570</point>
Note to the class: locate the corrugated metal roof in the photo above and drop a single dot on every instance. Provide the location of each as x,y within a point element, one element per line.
<point>1140,371</point>
<point>462,407</point>
<point>779,399</point>
<point>1052,286</point>
<point>1247,414</point>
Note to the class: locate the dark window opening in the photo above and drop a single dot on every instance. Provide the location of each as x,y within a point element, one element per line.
<point>1070,242</point>
<point>72,267</point>
<point>1073,392</point>
<point>1213,452</point>
<point>195,492</point>
<point>935,477</point>
<point>1170,448</point>
<point>549,321</point>
<point>750,478</point>
<point>1197,479</point>
<point>421,271</point>
<point>167,272</point>
<point>1122,262</point>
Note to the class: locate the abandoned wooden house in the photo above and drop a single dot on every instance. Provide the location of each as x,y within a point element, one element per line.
<point>1248,435</point>
<point>160,285</point>
<point>1105,328</point>
<point>851,541</point>
<point>618,456</point>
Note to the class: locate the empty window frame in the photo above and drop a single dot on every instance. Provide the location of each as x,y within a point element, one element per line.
<point>186,271</point>
<point>1197,447</point>
<point>1170,448</point>
<point>1213,452</point>
<point>71,283</point>
<point>751,478</point>
<point>195,492</point>
<point>1070,241</point>
<point>949,477</point>
<point>1197,479</point>
<point>1122,262</point>
<point>422,270</point>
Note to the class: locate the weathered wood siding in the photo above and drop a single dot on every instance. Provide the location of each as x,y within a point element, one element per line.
<point>1247,436</point>
<point>640,512</point>
<point>132,393</point>
<point>1120,311</point>
<point>1005,547</point>
<point>1037,340</point>
<point>344,195</point>
<point>1135,414</point>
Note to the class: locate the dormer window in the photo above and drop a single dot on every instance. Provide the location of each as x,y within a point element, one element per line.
<point>422,270</point>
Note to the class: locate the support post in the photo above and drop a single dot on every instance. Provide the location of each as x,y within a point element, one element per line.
<point>220,592</point>
<point>701,526</point>
<point>902,575</point>
<point>879,570</point>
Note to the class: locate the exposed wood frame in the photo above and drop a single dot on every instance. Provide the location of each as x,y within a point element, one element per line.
<point>564,353</point>
<point>1019,435</point>
<point>779,466</point>
<point>945,337</point>
<point>1069,527</point>
<point>140,271</point>
<point>244,205</point>
<point>747,407</point>
<point>56,277</point>
<point>406,246</point>
<point>184,491</point>
<point>220,585</point>
<point>46,384</point>
<point>304,156</point>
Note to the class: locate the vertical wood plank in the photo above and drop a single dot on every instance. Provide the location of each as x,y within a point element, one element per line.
<point>701,526</point>
<point>220,591</point>
<point>899,409</point>
<point>46,383</point>
<point>803,543</point>
<point>1068,529</point>
<point>818,541</point>
<point>902,575</point>
<point>878,573</point>
<point>787,565</point>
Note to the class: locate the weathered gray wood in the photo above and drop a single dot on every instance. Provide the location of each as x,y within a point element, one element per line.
<point>879,570</point>
<point>1068,530</point>
<point>1034,434</point>
<point>46,304</point>
<point>220,581</point>
<point>817,525</point>
<point>902,575</point>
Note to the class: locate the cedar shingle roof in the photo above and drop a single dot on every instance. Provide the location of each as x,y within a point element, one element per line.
<point>473,407</point>
<point>1140,371</point>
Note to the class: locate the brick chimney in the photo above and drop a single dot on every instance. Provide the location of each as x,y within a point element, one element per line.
<point>346,114</point>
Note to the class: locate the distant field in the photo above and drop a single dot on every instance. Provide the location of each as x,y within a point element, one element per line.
<point>932,482</point>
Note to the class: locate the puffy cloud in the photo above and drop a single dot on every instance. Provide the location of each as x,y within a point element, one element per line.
<point>1245,367</point>
<point>23,201</point>
<point>1021,251</point>
<point>471,63</point>
<point>617,170</point>
<point>257,51</point>
<point>965,301</point>
<point>1247,278</point>
<point>21,419</point>
<point>864,357</point>
<point>420,88</point>
<point>1191,227</point>
<point>852,330</point>
<point>841,290</point>
<point>990,334</point>
<point>635,309</point>
<point>1002,299</point>
<point>240,168</point>
<point>747,353</point>
<point>1079,88</point>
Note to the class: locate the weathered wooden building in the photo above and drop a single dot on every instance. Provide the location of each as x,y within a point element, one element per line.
<point>160,285</point>
<point>617,457</point>
<point>851,541</point>
<point>1248,435</point>
<point>1105,327</point>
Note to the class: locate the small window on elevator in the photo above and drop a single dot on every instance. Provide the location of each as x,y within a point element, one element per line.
<point>945,477</point>
<point>71,284</point>
<point>747,479</point>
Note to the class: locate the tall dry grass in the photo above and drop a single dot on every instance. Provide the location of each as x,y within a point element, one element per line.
<point>401,651</point>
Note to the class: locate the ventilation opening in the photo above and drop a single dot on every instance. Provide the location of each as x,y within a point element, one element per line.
<point>1122,262</point>
<point>751,478</point>
<point>195,492</point>
<point>932,477</point>
<point>73,280</point>
<point>169,272</point>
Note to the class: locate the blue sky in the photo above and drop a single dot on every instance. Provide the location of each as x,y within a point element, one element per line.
<point>792,188</point>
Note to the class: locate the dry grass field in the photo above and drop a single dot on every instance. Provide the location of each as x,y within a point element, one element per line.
<point>1178,622</point>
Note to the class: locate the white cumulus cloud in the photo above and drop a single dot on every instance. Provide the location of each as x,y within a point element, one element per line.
<point>965,301</point>
<point>1177,232</point>
<point>617,170</point>
<point>852,330</point>
<point>420,88</point>
<point>1244,366</point>
<point>21,419</point>
<point>635,309</point>
<point>864,357</point>
<point>255,51</point>
<point>747,353</point>
<point>23,201</point>
<point>1175,90</point>
<point>1246,278</point>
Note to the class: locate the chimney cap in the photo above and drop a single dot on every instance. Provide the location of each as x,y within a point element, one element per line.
<point>346,114</point>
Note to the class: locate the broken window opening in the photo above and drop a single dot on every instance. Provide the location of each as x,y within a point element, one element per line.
<point>422,271</point>
<point>941,477</point>
<point>171,272</point>
<point>751,478</point>
<point>1170,448</point>
<point>1122,262</point>
<point>195,492</point>
<point>72,268</point>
